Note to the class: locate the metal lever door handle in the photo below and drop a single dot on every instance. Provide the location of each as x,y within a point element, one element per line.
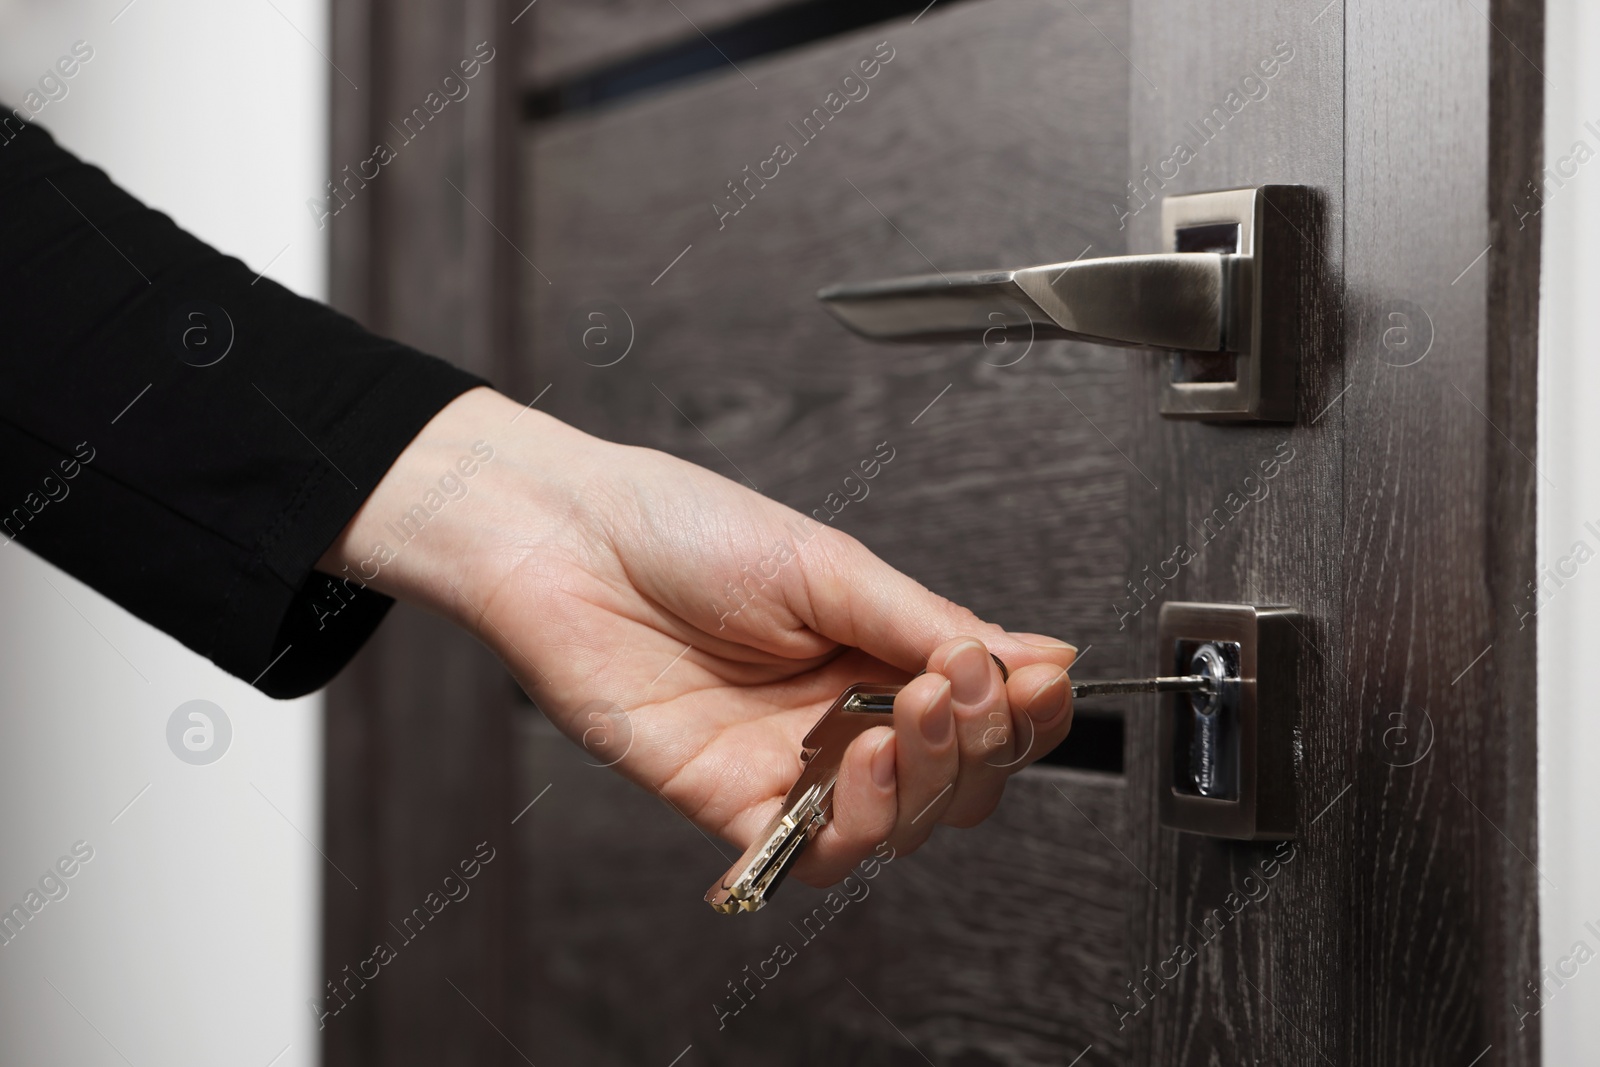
<point>1236,294</point>
<point>1178,301</point>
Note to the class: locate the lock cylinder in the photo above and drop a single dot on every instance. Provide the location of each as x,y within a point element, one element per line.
<point>1210,768</point>
<point>1226,747</point>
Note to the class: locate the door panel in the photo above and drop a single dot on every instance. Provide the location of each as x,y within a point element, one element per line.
<point>1285,546</point>
<point>1441,472</point>
<point>1402,926</point>
<point>1006,494</point>
<point>1403,931</point>
<point>978,949</point>
<point>563,38</point>
<point>994,135</point>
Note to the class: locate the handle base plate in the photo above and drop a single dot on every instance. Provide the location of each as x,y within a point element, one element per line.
<point>1273,230</point>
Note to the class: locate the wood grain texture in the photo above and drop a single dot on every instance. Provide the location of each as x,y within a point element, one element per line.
<point>975,950</point>
<point>562,38</point>
<point>1416,488</point>
<point>1266,986</point>
<point>1509,762</point>
<point>416,765</point>
<point>1402,927</point>
<point>1008,492</point>
<point>1439,501</point>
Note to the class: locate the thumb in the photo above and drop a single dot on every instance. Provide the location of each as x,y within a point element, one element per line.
<point>853,597</point>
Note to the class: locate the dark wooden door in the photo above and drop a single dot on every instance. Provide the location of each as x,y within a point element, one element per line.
<point>626,255</point>
<point>1405,929</point>
<point>1006,491</point>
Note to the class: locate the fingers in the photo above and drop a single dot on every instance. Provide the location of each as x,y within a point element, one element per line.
<point>855,598</point>
<point>960,731</point>
<point>983,727</point>
<point>1040,698</point>
<point>1002,725</point>
<point>864,808</point>
<point>927,759</point>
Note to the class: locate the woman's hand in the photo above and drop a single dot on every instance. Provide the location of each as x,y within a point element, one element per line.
<point>693,631</point>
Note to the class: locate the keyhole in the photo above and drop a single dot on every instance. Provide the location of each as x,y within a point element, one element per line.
<point>1209,766</point>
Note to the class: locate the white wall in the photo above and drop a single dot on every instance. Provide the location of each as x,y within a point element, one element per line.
<point>191,936</point>
<point>1569,617</point>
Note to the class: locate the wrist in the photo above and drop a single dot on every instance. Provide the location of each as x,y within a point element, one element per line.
<point>477,492</point>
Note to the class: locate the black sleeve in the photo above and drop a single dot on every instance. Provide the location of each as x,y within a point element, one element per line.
<point>183,436</point>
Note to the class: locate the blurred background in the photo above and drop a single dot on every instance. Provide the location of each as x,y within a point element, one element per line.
<point>191,935</point>
<point>1569,613</point>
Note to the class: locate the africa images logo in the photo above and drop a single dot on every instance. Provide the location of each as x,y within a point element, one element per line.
<point>198,732</point>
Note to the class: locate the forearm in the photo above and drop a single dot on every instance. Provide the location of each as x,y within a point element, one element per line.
<point>184,435</point>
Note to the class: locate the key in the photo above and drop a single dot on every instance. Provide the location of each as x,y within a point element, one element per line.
<point>757,874</point>
<point>752,880</point>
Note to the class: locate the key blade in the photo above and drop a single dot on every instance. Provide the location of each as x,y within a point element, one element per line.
<point>768,859</point>
<point>1188,683</point>
<point>756,875</point>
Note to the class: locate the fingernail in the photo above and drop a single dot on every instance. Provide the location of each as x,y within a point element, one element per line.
<point>1049,700</point>
<point>1043,641</point>
<point>938,722</point>
<point>968,669</point>
<point>883,764</point>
